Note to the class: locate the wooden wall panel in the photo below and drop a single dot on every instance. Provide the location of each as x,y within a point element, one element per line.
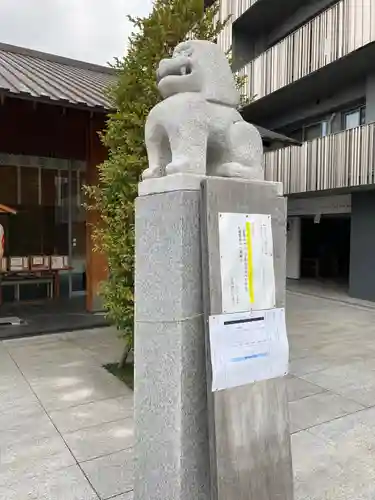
<point>43,130</point>
<point>29,186</point>
<point>8,185</point>
<point>47,130</point>
<point>97,266</point>
<point>49,191</point>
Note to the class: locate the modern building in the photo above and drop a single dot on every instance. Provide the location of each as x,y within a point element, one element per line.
<point>310,75</point>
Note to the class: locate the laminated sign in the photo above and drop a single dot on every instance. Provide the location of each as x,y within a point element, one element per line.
<point>248,347</point>
<point>246,262</point>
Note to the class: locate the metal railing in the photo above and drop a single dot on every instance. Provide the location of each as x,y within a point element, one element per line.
<point>340,160</point>
<point>341,29</point>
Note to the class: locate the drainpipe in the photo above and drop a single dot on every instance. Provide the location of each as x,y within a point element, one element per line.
<point>333,116</point>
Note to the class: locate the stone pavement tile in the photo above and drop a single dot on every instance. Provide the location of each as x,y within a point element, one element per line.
<point>335,460</point>
<point>57,355</point>
<point>298,388</point>
<point>32,341</point>
<point>57,376</point>
<point>13,382</point>
<point>40,346</point>
<point>107,353</point>
<point>125,496</point>
<point>39,371</point>
<point>92,335</point>
<point>354,381</point>
<point>297,352</point>
<point>64,484</point>
<point>28,449</point>
<point>356,430</point>
<point>8,367</point>
<point>83,389</point>
<point>88,341</point>
<point>16,401</point>
<point>313,459</point>
<point>319,408</point>
<point>100,440</point>
<point>17,415</point>
<point>106,346</point>
<point>92,414</point>
<point>347,349</point>
<point>362,395</point>
<point>302,366</point>
<point>16,429</point>
<point>111,475</point>
<point>335,377</point>
<point>28,465</point>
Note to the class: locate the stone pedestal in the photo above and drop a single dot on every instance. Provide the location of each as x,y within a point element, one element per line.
<point>233,444</point>
<point>249,425</point>
<point>171,450</point>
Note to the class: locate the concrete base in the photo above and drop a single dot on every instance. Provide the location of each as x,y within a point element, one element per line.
<point>169,183</point>
<point>189,182</point>
<point>171,448</point>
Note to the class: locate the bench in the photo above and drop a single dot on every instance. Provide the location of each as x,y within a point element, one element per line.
<point>17,279</point>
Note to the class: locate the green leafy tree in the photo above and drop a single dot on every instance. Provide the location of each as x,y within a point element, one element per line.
<point>134,95</point>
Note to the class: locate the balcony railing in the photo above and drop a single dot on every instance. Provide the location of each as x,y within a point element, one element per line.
<point>234,9</point>
<point>340,160</point>
<point>341,29</point>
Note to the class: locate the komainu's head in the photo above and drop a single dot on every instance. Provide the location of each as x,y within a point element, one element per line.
<point>198,66</point>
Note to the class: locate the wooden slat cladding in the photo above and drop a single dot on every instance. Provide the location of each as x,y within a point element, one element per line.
<point>340,160</point>
<point>233,9</point>
<point>336,32</point>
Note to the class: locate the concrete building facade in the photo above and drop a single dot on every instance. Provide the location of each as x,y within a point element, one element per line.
<point>309,73</point>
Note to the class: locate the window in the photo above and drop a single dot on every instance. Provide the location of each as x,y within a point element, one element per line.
<point>316,130</point>
<point>354,118</point>
<point>296,134</point>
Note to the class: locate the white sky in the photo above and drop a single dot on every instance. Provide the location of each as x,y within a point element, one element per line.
<point>89,30</point>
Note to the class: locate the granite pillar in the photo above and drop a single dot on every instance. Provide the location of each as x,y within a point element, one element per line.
<point>171,448</point>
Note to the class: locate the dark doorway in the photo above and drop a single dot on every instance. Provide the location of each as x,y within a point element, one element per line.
<point>325,248</point>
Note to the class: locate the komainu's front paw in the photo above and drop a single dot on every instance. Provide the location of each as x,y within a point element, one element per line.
<point>238,171</point>
<point>179,166</point>
<point>152,173</point>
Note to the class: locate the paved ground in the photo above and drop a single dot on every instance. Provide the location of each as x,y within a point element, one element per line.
<point>332,394</point>
<point>48,316</point>
<point>66,424</point>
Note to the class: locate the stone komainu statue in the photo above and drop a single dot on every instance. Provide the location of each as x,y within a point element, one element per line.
<point>197,129</point>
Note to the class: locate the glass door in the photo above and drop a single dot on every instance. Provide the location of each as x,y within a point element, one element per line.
<point>77,234</point>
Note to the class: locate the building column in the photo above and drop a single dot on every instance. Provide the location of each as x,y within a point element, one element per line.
<point>293,248</point>
<point>370,98</point>
<point>362,246</point>
<point>96,262</point>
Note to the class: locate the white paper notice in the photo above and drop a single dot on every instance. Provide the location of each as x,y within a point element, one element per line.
<point>248,347</point>
<point>246,259</point>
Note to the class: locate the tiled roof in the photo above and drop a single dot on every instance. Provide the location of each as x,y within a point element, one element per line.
<point>37,75</point>
<point>43,76</point>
